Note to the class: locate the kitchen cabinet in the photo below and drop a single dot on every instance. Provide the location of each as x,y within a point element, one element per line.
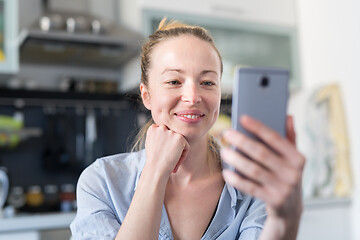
<point>240,43</point>
<point>277,12</point>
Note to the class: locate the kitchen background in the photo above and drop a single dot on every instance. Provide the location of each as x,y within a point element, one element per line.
<point>68,94</point>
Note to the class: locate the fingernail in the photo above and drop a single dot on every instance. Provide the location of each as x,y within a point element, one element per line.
<point>224,151</point>
<point>244,118</point>
<point>226,133</point>
<point>226,174</point>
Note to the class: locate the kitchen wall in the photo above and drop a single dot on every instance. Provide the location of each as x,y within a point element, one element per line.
<point>29,12</point>
<point>329,33</point>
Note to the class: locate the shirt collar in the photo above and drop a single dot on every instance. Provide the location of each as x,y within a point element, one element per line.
<point>142,156</point>
<point>235,195</point>
<point>165,227</point>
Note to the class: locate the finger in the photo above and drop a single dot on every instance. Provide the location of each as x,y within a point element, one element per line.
<point>245,166</point>
<point>259,153</point>
<point>176,168</point>
<point>254,149</point>
<point>290,130</point>
<point>152,126</point>
<point>274,140</point>
<point>273,197</point>
<point>257,173</point>
<point>244,185</point>
<point>183,156</point>
<point>164,127</point>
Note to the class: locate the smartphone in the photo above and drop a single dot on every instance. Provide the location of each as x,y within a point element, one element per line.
<point>261,93</point>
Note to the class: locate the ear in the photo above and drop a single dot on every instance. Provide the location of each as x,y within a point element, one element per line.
<point>145,96</point>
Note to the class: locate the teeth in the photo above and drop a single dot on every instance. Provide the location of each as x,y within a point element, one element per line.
<point>190,116</point>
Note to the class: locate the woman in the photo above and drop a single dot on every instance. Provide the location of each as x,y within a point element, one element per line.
<point>175,188</point>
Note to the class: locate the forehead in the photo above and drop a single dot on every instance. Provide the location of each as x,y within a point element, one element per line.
<point>185,52</point>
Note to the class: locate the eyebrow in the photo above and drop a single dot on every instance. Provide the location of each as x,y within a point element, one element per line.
<point>181,71</point>
<point>172,70</point>
<point>208,71</point>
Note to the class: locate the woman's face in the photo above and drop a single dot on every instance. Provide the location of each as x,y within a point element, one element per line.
<point>183,90</point>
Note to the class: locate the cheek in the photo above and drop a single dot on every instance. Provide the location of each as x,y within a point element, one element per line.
<point>161,106</point>
<point>214,102</point>
<point>161,101</point>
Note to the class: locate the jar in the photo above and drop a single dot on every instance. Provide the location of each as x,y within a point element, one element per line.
<point>51,197</point>
<point>34,196</point>
<point>17,197</point>
<point>67,197</point>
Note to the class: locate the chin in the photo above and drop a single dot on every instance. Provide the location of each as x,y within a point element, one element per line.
<point>191,134</point>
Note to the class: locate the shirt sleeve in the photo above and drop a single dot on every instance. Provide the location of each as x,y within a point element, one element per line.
<point>95,218</point>
<point>251,233</point>
<point>253,223</point>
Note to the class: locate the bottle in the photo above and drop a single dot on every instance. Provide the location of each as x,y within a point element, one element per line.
<point>51,197</point>
<point>67,197</point>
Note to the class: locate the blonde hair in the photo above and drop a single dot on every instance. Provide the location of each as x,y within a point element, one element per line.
<point>165,31</point>
<point>168,30</point>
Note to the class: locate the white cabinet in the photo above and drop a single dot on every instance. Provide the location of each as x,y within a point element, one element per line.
<point>277,12</point>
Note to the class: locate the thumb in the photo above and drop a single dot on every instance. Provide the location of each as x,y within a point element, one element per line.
<point>182,157</point>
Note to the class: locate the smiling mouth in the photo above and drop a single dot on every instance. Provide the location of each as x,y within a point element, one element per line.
<point>190,116</point>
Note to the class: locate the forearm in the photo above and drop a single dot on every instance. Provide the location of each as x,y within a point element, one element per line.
<point>145,209</point>
<point>280,229</point>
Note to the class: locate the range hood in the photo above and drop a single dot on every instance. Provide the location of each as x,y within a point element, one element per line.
<point>49,41</point>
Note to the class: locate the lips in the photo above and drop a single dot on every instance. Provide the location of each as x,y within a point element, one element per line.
<point>190,115</point>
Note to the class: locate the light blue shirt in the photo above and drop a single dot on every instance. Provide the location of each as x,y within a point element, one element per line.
<point>106,188</point>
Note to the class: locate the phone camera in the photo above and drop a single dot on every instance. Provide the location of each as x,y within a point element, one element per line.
<point>264,81</point>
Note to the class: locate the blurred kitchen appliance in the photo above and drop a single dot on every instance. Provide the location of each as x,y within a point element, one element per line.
<point>78,39</point>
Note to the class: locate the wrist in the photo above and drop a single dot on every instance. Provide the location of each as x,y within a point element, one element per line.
<point>283,228</point>
<point>153,175</point>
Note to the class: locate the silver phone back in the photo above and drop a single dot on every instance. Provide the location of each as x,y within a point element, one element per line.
<point>265,103</point>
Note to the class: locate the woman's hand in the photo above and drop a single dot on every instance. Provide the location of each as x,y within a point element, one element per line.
<point>272,172</point>
<point>165,149</point>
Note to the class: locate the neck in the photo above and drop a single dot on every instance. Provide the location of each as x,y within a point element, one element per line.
<point>196,166</point>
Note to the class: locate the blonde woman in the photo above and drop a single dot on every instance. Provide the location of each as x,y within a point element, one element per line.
<point>175,188</point>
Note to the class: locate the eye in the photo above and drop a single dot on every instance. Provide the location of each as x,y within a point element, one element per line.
<point>174,82</point>
<point>208,83</point>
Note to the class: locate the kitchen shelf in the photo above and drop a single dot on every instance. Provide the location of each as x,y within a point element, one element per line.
<point>326,202</point>
<point>36,222</point>
<point>21,97</point>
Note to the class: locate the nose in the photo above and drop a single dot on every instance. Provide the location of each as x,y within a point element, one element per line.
<point>191,93</point>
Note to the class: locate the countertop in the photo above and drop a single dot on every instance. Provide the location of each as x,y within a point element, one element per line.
<point>35,222</point>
